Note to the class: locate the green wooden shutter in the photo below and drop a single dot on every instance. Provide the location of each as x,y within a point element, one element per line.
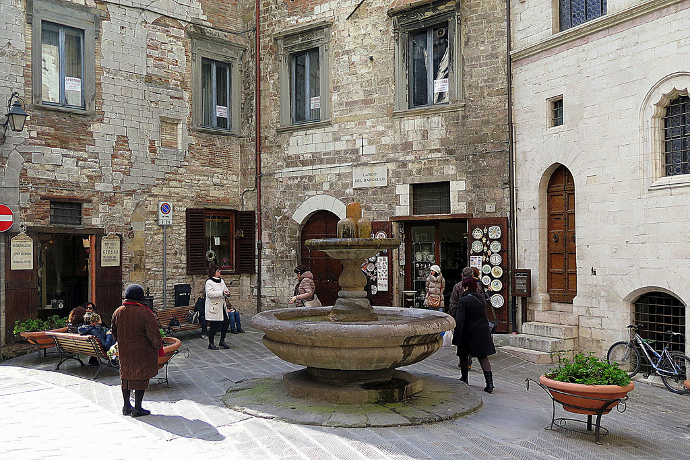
<point>245,244</point>
<point>196,242</point>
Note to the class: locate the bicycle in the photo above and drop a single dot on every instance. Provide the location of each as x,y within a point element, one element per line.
<point>672,367</point>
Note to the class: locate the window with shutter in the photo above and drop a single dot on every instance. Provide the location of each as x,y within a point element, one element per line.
<point>245,242</point>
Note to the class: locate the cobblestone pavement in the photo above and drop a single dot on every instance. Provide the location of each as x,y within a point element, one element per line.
<point>65,414</point>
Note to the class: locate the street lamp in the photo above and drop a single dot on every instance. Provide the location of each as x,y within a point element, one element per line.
<point>15,116</point>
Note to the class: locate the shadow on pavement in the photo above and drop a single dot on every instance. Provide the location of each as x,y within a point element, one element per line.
<point>184,427</point>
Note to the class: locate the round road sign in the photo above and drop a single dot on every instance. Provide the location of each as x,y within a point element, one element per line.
<point>6,218</point>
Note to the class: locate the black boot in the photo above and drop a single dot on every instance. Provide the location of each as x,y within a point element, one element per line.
<point>463,375</point>
<point>211,346</point>
<point>489,377</point>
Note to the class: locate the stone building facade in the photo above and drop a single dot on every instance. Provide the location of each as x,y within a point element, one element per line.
<point>130,104</point>
<point>402,106</point>
<point>602,137</point>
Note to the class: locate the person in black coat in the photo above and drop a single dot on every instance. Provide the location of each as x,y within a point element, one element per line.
<point>471,334</point>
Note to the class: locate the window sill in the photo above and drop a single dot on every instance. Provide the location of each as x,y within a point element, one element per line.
<point>670,182</point>
<point>429,110</point>
<point>70,110</point>
<point>304,126</point>
<point>217,132</point>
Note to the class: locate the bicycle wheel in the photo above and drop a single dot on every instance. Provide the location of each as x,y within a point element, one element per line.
<point>675,382</point>
<point>626,356</point>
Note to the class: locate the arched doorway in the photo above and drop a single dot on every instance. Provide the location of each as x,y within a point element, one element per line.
<point>322,224</point>
<point>562,268</point>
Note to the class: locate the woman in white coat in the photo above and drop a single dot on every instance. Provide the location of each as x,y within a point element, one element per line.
<point>216,290</point>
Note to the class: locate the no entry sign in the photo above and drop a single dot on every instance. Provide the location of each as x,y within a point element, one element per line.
<point>6,218</point>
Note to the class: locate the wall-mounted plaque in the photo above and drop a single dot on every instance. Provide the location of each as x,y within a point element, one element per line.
<point>522,282</point>
<point>110,251</point>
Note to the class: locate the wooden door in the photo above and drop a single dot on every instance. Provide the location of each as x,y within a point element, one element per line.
<point>326,271</point>
<point>21,291</point>
<point>109,290</point>
<point>562,268</point>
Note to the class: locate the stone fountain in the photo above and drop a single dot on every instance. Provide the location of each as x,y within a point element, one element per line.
<point>351,350</point>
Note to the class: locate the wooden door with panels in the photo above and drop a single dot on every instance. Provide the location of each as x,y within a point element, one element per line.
<point>562,266</point>
<point>326,271</point>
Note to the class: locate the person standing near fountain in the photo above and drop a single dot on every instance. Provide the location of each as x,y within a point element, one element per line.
<point>305,288</point>
<point>216,290</point>
<point>472,335</point>
<point>435,285</point>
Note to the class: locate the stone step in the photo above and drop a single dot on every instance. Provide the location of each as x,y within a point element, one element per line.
<point>533,356</point>
<point>541,343</point>
<point>564,307</point>
<point>555,317</point>
<point>550,330</point>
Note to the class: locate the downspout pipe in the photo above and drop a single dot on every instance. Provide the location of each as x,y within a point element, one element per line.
<point>257,121</point>
<point>511,166</point>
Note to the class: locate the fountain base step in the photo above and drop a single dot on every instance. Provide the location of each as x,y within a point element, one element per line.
<point>401,386</point>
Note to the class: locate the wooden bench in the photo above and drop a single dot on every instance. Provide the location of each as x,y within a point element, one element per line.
<point>71,346</point>
<point>166,315</point>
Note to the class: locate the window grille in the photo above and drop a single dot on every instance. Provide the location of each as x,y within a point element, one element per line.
<point>65,213</point>
<point>677,137</point>
<point>431,198</point>
<point>660,312</point>
<point>575,12</point>
<point>557,112</point>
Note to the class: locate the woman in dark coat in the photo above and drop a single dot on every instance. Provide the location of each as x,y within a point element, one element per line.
<point>471,334</point>
<point>138,337</point>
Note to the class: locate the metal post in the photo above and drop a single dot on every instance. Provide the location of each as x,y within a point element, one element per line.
<point>165,250</point>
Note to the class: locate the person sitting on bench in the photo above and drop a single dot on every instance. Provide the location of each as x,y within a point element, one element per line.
<point>94,326</point>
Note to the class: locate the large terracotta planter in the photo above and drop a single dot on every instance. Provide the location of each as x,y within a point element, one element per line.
<point>40,339</point>
<point>573,403</point>
<point>687,384</point>
<point>170,345</point>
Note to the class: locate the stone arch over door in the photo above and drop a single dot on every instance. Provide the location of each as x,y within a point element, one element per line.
<point>561,243</point>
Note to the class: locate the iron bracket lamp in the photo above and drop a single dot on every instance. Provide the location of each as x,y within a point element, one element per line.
<point>15,116</point>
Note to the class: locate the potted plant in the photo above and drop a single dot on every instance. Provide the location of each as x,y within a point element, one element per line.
<point>33,330</point>
<point>576,381</point>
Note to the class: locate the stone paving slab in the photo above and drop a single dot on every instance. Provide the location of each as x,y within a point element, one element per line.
<point>50,414</point>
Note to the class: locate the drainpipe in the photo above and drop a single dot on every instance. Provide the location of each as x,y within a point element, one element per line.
<point>257,96</point>
<point>511,166</point>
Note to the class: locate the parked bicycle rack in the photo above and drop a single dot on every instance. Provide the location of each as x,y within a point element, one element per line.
<point>562,422</point>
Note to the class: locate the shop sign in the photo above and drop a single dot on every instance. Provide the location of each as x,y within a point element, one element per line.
<point>22,253</point>
<point>370,176</point>
<point>522,282</point>
<point>110,251</point>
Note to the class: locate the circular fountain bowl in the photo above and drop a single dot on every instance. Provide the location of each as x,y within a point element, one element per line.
<point>352,352</point>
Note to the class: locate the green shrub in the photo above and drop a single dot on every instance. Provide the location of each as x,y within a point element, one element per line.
<point>37,325</point>
<point>588,370</point>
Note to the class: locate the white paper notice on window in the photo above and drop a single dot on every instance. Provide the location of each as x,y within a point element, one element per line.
<point>221,111</point>
<point>72,84</point>
<point>315,102</point>
<point>441,86</point>
<point>216,240</point>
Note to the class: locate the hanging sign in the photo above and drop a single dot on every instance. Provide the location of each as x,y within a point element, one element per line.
<point>382,273</point>
<point>6,218</point>
<point>22,253</point>
<point>110,251</point>
<point>165,209</point>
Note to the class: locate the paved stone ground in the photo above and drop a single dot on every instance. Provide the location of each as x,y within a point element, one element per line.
<point>65,414</point>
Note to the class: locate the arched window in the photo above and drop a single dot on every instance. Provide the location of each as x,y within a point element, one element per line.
<point>677,137</point>
<point>562,267</point>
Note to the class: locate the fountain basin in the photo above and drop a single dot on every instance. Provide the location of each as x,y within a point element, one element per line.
<point>352,352</point>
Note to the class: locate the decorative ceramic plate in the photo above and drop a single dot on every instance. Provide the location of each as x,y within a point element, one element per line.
<point>370,267</point>
<point>486,280</point>
<point>495,259</point>
<point>496,272</point>
<point>477,233</point>
<point>419,257</point>
<point>486,269</point>
<point>496,285</point>
<point>497,300</point>
<point>381,234</point>
<point>495,246</point>
<point>430,257</point>
<point>477,246</point>
<point>374,289</point>
<point>372,259</point>
<point>494,232</point>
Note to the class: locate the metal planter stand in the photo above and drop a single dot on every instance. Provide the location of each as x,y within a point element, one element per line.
<point>562,422</point>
